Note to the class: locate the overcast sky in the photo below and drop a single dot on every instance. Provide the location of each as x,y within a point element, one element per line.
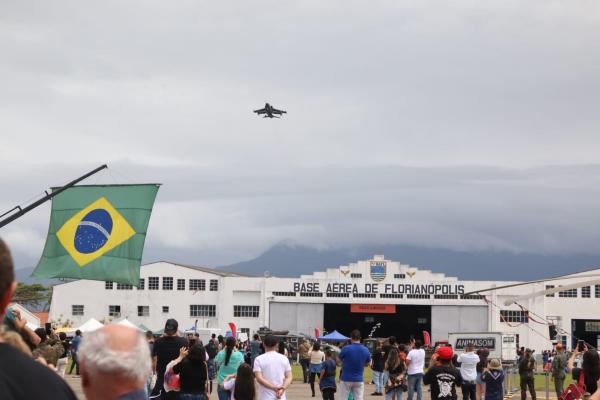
<point>464,125</point>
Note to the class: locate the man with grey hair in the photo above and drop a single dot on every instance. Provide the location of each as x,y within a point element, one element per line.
<point>115,362</point>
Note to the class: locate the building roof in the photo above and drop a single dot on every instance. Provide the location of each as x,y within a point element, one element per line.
<point>219,272</point>
<point>43,316</point>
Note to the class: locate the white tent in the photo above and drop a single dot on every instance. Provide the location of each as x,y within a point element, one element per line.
<point>90,325</point>
<point>129,324</point>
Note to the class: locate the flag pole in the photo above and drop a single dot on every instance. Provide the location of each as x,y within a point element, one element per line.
<point>48,196</point>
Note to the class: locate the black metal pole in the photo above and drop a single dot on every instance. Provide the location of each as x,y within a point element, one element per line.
<point>48,196</point>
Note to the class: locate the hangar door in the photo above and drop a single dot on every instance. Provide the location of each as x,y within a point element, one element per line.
<point>446,319</point>
<point>296,317</point>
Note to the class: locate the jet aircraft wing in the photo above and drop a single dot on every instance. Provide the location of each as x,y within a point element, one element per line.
<point>261,111</point>
<point>276,111</point>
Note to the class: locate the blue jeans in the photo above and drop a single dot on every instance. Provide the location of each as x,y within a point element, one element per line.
<point>223,394</point>
<point>378,381</point>
<point>390,395</point>
<point>415,382</point>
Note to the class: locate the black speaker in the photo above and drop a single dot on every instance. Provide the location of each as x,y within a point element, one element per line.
<point>552,332</point>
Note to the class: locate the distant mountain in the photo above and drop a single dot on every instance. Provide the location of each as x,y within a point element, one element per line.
<point>287,260</point>
<point>23,275</point>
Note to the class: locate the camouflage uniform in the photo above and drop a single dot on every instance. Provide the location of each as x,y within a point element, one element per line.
<point>50,350</point>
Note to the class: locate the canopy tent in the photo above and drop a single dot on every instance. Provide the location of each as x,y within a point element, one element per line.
<point>66,329</point>
<point>129,324</point>
<point>90,325</point>
<point>144,327</point>
<point>334,336</point>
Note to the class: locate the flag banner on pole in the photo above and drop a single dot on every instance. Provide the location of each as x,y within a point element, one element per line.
<point>97,232</point>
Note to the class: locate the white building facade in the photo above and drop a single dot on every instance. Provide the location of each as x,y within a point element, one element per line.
<point>379,295</point>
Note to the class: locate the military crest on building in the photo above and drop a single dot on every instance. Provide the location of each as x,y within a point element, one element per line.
<point>378,270</point>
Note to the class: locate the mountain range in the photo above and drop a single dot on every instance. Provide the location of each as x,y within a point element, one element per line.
<point>289,260</point>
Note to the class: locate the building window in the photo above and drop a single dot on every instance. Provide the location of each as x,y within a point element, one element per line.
<point>203,310</point>
<point>418,296</point>
<point>124,286</point>
<point>568,293</point>
<point>391,296</point>
<point>311,294</point>
<point>399,276</point>
<point>596,290</point>
<point>108,285</point>
<point>445,296</point>
<point>165,309</point>
<point>355,275</point>
<point>77,309</point>
<point>332,294</point>
<point>153,283</point>
<point>141,287</point>
<point>214,285</point>
<point>550,287</point>
<point>180,284</point>
<point>143,311</point>
<point>586,291</point>
<point>514,316</point>
<point>592,326</point>
<point>167,283</point>
<point>290,294</point>
<point>114,311</point>
<point>365,295</point>
<point>197,284</point>
<point>246,311</point>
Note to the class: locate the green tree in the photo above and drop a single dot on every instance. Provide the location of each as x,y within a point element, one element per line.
<point>32,295</point>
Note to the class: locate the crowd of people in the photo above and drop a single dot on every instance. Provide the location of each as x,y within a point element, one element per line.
<point>118,362</point>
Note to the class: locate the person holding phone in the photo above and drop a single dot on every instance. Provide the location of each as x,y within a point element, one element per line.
<point>590,367</point>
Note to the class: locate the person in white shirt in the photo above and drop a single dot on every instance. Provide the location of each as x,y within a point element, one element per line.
<point>416,362</point>
<point>272,371</point>
<point>468,371</point>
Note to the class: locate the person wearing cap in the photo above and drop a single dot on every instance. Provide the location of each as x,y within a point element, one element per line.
<point>468,371</point>
<point>493,376</point>
<point>166,348</point>
<point>559,363</point>
<point>443,378</point>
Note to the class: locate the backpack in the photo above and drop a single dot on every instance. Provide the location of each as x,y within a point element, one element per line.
<point>211,349</point>
<point>575,391</point>
<point>558,366</point>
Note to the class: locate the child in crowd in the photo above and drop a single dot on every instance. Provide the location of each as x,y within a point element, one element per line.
<point>327,376</point>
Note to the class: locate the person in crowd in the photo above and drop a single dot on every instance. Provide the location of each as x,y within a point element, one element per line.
<point>559,363</point>
<point>527,374</point>
<point>74,348</point>
<point>377,366</point>
<point>354,357</point>
<point>468,372</point>
<point>590,368</point>
<point>227,361</point>
<point>443,378</point>
<point>273,372</point>
<point>254,346</point>
<point>15,340</point>
<point>316,360</point>
<point>396,368</point>
<point>327,376</point>
<point>50,348</point>
<point>303,350</point>
<point>14,322</point>
<point>193,373</point>
<point>166,349</point>
<point>416,364</point>
<point>150,339</point>
<point>242,385</point>
<point>115,362</point>
<point>212,349</point>
<point>493,376</point>
<point>483,354</point>
<point>221,342</point>
<point>61,366</point>
<point>387,346</point>
<point>281,348</point>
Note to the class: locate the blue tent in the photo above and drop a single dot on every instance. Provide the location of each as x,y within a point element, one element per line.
<point>334,336</point>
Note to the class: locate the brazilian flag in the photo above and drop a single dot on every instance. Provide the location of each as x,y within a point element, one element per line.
<point>97,232</point>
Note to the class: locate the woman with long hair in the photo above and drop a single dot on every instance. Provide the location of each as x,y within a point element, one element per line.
<point>396,368</point>
<point>316,360</point>
<point>227,362</point>
<point>193,373</point>
<point>241,385</point>
<point>590,368</point>
<point>281,348</point>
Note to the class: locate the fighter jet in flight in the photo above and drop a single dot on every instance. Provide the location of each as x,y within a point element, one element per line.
<point>270,111</point>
